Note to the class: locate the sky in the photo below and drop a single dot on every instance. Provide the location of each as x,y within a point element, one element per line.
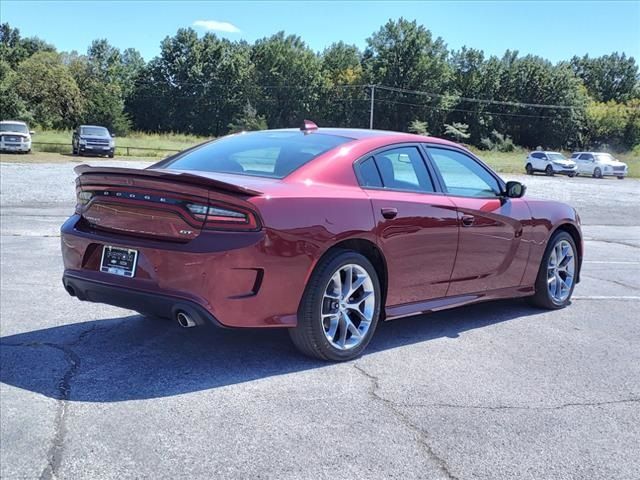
<point>556,30</point>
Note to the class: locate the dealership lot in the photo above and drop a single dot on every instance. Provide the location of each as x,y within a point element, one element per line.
<point>499,390</point>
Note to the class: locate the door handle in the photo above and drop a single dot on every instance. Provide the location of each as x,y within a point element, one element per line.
<point>389,213</point>
<point>467,220</point>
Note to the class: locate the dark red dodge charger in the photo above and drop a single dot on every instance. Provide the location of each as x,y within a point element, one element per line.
<point>319,230</point>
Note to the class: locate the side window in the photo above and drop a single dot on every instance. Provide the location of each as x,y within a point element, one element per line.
<point>368,173</point>
<point>462,175</point>
<point>537,155</point>
<point>404,169</point>
<point>586,156</point>
<point>574,155</point>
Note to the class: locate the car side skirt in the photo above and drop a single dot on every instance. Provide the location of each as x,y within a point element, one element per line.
<point>445,303</point>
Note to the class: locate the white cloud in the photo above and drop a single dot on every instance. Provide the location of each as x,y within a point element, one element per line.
<point>217,26</point>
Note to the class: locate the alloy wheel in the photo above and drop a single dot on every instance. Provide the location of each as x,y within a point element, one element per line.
<point>348,307</point>
<point>561,271</point>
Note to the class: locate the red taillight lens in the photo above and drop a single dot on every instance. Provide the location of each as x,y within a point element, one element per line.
<point>224,217</point>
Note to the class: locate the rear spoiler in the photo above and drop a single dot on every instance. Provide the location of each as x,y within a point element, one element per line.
<point>171,175</point>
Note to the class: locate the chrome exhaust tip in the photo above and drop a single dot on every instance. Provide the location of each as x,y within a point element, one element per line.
<point>185,320</point>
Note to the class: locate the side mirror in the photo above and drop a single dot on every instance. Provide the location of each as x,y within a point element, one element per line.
<point>32,132</point>
<point>113,135</point>
<point>515,189</point>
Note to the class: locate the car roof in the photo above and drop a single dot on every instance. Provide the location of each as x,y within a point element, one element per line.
<point>365,134</point>
<point>97,126</point>
<point>20,122</point>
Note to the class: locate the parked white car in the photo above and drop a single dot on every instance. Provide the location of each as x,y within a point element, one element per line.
<point>15,136</point>
<point>599,164</point>
<point>550,163</point>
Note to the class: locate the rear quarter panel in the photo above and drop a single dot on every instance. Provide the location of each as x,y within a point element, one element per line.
<point>301,224</point>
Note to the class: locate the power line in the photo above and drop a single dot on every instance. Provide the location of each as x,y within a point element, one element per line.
<point>392,89</point>
<point>432,107</point>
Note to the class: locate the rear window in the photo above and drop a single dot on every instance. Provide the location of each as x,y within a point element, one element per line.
<point>265,154</point>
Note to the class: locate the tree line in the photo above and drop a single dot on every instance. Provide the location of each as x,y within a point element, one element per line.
<point>211,86</point>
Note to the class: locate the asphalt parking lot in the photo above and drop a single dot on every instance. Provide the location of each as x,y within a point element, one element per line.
<point>498,390</point>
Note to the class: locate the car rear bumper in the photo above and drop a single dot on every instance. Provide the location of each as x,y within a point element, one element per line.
<point>235,277</point>
<point>155,304</point>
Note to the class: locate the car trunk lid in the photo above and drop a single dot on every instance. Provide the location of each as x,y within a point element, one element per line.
<point>161,204</point>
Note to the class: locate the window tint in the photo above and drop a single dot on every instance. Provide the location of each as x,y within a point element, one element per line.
<point>268,153</point>
<point>586,156</point>
<point>537,155</point>
<point>462,175</point>
<point>404,169</point>
<point>574,155</point>
<point>368,173</point>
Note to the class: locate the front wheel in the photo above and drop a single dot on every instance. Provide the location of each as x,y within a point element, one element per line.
<point>557,274</point>
<point>571,175</point>
<point>549,171</point>
<point>621,177</point>
<point>529,169</point>
<point>597,173</point>
<point>340,308</point>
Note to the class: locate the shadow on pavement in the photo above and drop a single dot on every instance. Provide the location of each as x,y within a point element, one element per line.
<point>133,357</point>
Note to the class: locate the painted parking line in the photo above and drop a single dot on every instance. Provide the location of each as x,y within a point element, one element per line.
<point>613,262</point>
<point>606,297</point>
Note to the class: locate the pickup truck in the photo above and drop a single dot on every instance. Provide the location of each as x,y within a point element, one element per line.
<point>92,139</point>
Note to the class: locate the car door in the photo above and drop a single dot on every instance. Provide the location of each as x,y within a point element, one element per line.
<point>491,252</point>
<point>416,228</point>
<point>537,161</point>
<point>585,163</point>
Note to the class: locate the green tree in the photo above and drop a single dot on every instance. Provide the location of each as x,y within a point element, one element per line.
<point>12,106</point>
<point>458,131</point>
<point>345,99</point>
<point>404,55</point>
<point>418,127</point>
<point>49,91</point>
<point>289,77</point>
<point>608,77</point>
<point>248,120</point>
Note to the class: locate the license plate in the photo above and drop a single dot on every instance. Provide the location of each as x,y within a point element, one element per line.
<point>119,261</point>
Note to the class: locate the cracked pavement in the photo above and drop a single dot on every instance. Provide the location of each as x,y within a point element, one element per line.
<point>498,390</point>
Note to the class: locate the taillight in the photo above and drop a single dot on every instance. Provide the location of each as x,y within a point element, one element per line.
<point>224,217</point>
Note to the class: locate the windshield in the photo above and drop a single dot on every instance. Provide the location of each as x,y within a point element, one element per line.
<point>13,127</point>
<point>95,131</point>
<point>266,154</point>
<point>556,156</point>
<point>605,157</point>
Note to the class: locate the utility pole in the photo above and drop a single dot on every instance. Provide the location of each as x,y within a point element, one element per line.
<point>373,94</point>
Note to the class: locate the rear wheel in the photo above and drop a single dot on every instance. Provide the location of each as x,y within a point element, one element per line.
<point>597,173</point>
<point>571,175</point>
<point>529,169</point>
<point>621,177</point>
<point>557,274</point>
<point>340,308</point>
<point>549,171</point>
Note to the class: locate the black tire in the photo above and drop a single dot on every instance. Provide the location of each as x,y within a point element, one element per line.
<point>308,336</point>
<point>549,171</point>
<point>621,178</point>
<point>571,175</point>
<point>529,169</point>
<point>542,298</point>
<point>597,173</point>
<point>111,155</point>
<point>74,151</point>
